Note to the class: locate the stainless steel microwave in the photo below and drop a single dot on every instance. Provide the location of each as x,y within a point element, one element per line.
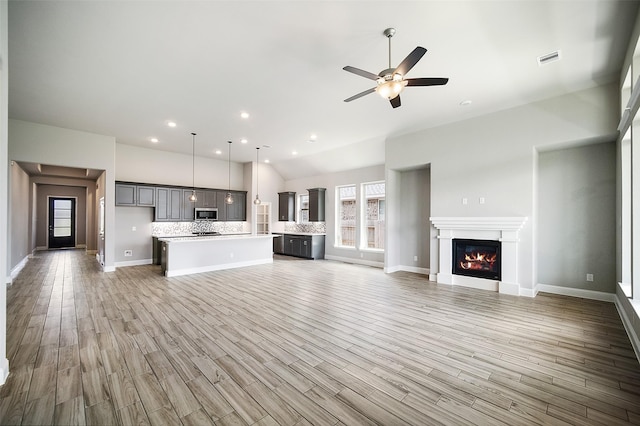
<point>202,213</point>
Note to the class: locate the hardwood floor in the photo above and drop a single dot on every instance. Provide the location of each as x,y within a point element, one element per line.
<point>303,342</point>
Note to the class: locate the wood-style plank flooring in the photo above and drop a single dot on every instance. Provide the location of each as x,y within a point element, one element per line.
<point>302,342</point>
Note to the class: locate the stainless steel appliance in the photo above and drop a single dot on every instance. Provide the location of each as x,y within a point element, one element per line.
<point>206,213</point>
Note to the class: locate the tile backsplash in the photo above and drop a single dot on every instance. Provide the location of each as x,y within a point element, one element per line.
<point>165,229</point>
<point>309,227</point>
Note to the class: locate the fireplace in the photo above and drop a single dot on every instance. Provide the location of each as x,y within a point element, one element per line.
<point>476,258</point>
<point>501,230</point>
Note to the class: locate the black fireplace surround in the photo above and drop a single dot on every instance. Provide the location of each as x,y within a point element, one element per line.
<point>477,258</point>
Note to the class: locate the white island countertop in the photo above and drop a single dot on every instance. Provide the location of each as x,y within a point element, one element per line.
<point>197,254</point>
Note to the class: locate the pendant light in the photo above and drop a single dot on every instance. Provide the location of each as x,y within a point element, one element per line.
<point>257,200</point>
<point>193,197</point>
<point>229,199</point>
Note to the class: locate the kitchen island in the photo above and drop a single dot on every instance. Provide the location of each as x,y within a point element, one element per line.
<point>192,255</point>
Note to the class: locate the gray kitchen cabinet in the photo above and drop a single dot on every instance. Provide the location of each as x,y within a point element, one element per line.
<point>287,206</point>
<point>316,204</point>
<point>306,246</point>
<point>207,199</point>
<point>237,211</point>
<point>125,195</point>
<point>188,206</point>
<point>168,204</point>
<point>135,195</point>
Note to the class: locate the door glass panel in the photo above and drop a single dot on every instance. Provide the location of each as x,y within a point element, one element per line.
<point>62,218</point>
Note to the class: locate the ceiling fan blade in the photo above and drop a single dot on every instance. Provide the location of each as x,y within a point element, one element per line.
<point>395,102</point>
<point>361,94</point>
<point>429,81</point>
<point>412,59</point>
<point>361,73</point>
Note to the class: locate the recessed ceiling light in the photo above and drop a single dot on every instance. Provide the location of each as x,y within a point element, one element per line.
<point>171,123</point>
<point>218,152</point>
<point>244,114</point>
<point>313,136</point>
<point>154,140</point>
<point>465,102</point>
<point>243,140</point>
<point>266,161</point>
<point>266,146</point>
<point>294,153</point>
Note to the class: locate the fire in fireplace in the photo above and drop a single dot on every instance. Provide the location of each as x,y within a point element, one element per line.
<point>477,258</point>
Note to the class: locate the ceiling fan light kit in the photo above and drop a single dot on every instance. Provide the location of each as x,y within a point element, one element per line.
<point>391,81</point>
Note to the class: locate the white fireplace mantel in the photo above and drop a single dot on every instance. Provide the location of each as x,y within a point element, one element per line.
<point>503,229</point>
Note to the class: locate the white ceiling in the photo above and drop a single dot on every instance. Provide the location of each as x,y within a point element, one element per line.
<point>124,68</point>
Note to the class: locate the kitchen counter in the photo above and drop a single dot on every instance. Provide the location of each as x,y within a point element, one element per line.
<point>196,254</point>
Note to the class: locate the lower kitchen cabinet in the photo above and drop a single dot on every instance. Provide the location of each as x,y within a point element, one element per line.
<point>307,246</point>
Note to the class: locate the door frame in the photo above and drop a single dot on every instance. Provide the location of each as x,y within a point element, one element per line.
<point>75,215</point>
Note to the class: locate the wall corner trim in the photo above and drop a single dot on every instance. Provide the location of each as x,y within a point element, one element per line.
<point>628,326</point>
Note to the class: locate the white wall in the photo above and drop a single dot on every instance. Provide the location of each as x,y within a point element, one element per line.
<point>38,143</point>
<point>330,182</point>
<point>143,165</point>
<point>494,157</point>
<point>577,217</point>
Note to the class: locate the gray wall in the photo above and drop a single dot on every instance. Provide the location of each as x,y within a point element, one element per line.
<point>577,217</point>
<point>19,216</point>
<point>137,240</point>
<point>415,193</point>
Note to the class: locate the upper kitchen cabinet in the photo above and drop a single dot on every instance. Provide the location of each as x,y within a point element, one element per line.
<point>168,204</point>
<point>188,206</point>
<point>135,195</point>
<point>237,211</point>
<point>207,199</point>
<point>286,206</point>
<point>316,204</point>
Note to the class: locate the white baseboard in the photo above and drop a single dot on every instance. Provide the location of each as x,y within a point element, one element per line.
<point>81,246</point>
<point>576,292</point>
<point>4,370</point>
<point>529,292</point>
<point>134,263</point>
<point>92,252</point>
<point>211,268</point>
<point>628,326</point>
<point>16,269</point>
<point>41,248</point>
<point>413,269</point>
<point>355,261</point>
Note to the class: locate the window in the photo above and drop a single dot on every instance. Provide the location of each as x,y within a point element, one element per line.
<point>372,232</point>
<point>346,220</point>
<point>303,202</point>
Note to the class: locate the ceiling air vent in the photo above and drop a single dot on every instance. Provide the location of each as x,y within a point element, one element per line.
<point>549,57</point>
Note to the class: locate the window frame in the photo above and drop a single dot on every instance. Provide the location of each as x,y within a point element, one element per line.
<point>339,243</point>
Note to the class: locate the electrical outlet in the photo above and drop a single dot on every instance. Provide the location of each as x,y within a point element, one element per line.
<point>464,201</point>
<point>415,258</point>
<point>133,228</point>
<point>589,277</point>
<point>128,252</point>
<point>231,255</point>
<point>361,255</point>
<point>481,200</point>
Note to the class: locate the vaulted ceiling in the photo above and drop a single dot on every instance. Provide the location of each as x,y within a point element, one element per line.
<point>127,68</point>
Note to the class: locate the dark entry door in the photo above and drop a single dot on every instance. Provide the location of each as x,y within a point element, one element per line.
<point>62,222</point>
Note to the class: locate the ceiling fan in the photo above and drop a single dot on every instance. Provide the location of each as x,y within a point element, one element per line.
<point>391,81</point>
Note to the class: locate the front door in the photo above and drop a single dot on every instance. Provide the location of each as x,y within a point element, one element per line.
<point>62,222</point>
